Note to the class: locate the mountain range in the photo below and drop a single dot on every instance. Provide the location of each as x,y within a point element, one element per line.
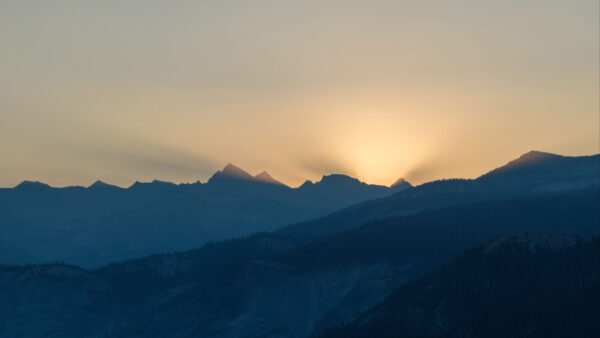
<point>451,258</point>
<point>103,223</point>
<point>532,174</point>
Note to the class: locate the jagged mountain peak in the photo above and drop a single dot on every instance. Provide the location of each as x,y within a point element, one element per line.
<point>231,171</point>
<point>234,171</point>
<point>265,177</point>
<point>306,184</point>
<point>401,182</point>
<point>100,184</point>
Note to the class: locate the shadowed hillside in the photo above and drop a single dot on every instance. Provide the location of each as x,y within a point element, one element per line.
<point>534,173</point>
<point>231,288</point>
<point>531,285</point>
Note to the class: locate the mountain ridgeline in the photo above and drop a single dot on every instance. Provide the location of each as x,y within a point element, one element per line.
<point>534,173</point>
<point>267,285</point>
<point>511,253</point>
<point>104,223</point>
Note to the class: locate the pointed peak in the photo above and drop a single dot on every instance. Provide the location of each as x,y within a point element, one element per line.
<point>99,184</point>
<point>306,183</point>
<point>31,184</point>
<point>401,182</point>
<point>231,171</point>
<point>398,182</point>
<point>266,178</point>
<point>231,168</point>
<point>135,184</point>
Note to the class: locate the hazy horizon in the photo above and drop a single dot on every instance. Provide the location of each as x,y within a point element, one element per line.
<point>292,186</point>
<point>137,91</point>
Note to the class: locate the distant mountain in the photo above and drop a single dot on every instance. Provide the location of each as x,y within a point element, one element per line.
<point>103,223</point>
<point>101,185</point>
<point>533,173</point>
<point>232,172</point>
<point>268,285</point>
<point>530,285</point>
<point>266,178</point>
<point>339,187</point>
<point>32,186</point>
<point>539,171</point>
<point>303,279</point>
<point>400,183</point>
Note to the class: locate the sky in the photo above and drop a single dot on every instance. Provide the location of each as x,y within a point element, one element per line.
<point>173,90</point>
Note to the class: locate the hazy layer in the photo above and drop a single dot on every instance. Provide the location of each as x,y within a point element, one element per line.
<point>138,90</point>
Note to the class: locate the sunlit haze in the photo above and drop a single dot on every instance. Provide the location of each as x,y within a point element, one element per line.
<point>174,90</point>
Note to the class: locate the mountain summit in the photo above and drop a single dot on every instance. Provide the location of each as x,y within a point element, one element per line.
<point>232,172</point>
<point>532,157</point>
<point>102,185</point>
<point>264,177</point>
<point>401,183</point>
<point>536,167</point>
<point>233,204</point>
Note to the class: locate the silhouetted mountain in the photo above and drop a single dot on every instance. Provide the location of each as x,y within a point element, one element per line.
<point>101,185</point>
<point>266,178</point>
<point>231,172</point>
<point>269,285</point>
<point>401,183</point>
<point>531,174</point>
<point>153,187</point>
<point>99,224</point>
<point>538,171</point>
<point>342,187</point>
<point>102,223</point>
<point>531,285</point>
<point>32,186</point>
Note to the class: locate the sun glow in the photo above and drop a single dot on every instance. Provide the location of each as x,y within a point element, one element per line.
<point>295,88</point>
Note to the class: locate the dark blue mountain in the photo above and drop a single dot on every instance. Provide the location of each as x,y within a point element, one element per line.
<point>529,285</point>
<point>534,173</point>
<point>303,279</point>
<point>102,223</point>
<point>272,285</point>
